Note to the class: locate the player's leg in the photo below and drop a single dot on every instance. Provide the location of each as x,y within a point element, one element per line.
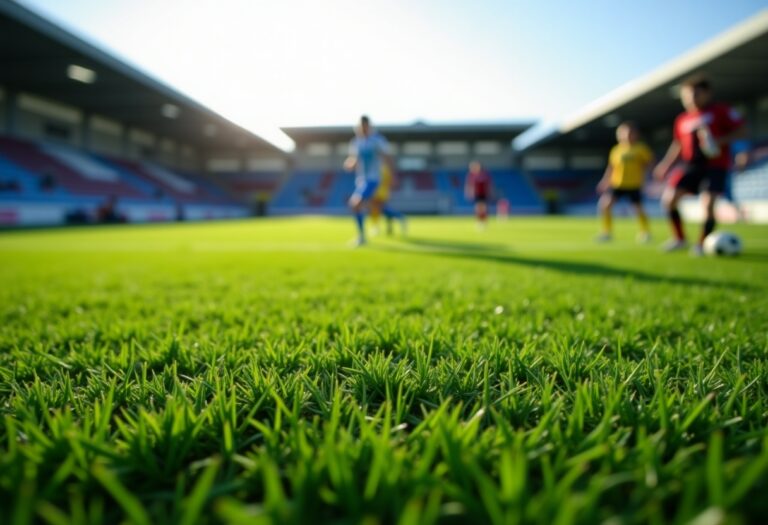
<point>376,209</point>
<point>708,200</point>
<point>356,204</point>
<point>392,214</point>
<point>670,200</point>
<point>481,211</point>
<point>644,235</point>
<point>637,203</point>
<point>364,193</point>
<point>716,181</point>
<point>605,207</point>
<point>680,184</point>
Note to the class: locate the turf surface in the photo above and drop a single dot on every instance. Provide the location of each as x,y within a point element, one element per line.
<point>264,372</point>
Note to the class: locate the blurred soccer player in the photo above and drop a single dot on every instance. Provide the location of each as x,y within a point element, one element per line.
<point>702,137</point>
<point>366,152</point>
<point>628,163</point>
<point>477,188</point>
<point>380,203</point>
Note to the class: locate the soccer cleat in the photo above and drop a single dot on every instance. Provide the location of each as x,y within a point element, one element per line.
<point>604,237</point>
<point>674,245</point>
<point>357,242</point>
<point>644,238</point>
<point>697,250</point>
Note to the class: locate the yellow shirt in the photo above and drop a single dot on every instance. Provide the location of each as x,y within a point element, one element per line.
<point>385,181</point>
<point>629,163</point>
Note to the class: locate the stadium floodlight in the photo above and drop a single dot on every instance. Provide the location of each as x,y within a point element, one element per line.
<point>81,74</point>
<point>171,111</point>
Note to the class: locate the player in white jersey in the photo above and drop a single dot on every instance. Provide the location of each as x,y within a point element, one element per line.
<point>366,152</point>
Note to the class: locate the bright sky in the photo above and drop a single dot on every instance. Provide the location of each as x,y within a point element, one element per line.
<point>270,63</point>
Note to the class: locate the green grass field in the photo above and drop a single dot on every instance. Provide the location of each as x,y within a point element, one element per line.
<point>263,372</point>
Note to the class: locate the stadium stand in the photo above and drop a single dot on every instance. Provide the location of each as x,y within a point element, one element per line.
<point>166,184</point>
<point>522,195</point>
<point>415,181</point>
<point>422,191</point>
<point>58,169</point>
<point>573,187</point>
<point>432,162</point>
<point>65,169</point>
<point>509,184</point>
<point>304,190</point>
<point>71,144</point>
<point>751,184</point>
<point>66,179</point>
<point>245,184</point>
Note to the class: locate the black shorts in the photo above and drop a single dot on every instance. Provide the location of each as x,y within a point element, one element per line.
<point>634,196</point>
<point>694,178</point>
<point>481,198</point>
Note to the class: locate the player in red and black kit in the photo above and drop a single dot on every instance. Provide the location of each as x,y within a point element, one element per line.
<point>478,189</point>
<point>702,138</point>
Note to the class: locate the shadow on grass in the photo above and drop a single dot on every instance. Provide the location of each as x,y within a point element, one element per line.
<point>499,253</point>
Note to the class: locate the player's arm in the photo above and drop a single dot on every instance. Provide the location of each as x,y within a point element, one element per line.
<point>605,182</point>
<point>350,163</point>
<point>663,167</point>
<point>742,155</point>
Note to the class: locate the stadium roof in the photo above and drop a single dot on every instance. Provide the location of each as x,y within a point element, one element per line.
<point>41,58</point>
<point>416,131</point>
<point>737,62</point>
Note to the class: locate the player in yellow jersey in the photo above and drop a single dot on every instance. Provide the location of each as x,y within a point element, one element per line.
<point>379,202</point>
<point>380,197</point>
<point>628,164</point>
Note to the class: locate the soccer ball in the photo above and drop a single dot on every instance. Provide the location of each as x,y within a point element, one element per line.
<point>722,243</point>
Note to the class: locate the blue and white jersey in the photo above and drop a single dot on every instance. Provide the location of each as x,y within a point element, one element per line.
<point>368,151</point>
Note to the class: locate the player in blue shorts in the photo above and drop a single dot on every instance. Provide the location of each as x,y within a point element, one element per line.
<point>366,152</point>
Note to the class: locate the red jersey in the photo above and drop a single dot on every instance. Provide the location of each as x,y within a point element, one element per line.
<point>721,120</point>
<point>480,182</point>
